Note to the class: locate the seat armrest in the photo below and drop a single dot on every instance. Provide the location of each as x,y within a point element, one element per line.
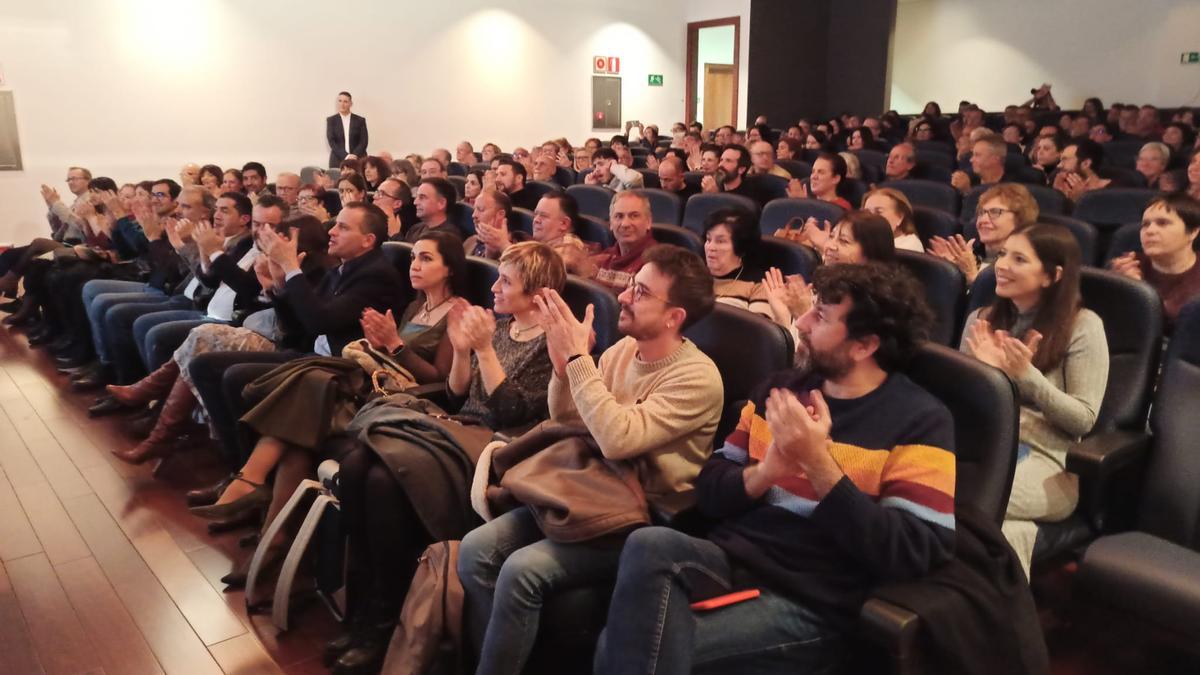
<point>1107,463</point>
<point>890,627</point>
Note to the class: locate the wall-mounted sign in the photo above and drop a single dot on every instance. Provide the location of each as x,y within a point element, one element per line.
<point>610,65</point>
<point>1189,57</point>
<point>655,81</point>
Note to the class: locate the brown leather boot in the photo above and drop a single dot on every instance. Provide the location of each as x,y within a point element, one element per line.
<point>171,422</point>
<point>151,387</point>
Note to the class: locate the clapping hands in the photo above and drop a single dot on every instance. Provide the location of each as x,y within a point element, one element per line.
<point>1001,350</point>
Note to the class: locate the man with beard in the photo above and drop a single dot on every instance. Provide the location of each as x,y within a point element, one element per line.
<point>653,400</point>
<point>839,474</point>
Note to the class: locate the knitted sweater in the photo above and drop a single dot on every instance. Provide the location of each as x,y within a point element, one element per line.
<point>661,415</point>
<point>890,519</point>
<point>1060,406</point>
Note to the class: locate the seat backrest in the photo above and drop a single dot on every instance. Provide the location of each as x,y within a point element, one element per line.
<point>983,403</point>
<point>945,290</point>
<point>928,194</point>
<point>777,213</point>
<point>649,178</point>
<point>693,179</point>
<point>933,223</point>
<point>581,176</point>
<point>481,166</point>
<point>1049,200</point>
<point>747,349</point>
<point>459,183</point>
<point>1127,238</point>
<point>665,207</point>
<point>699,206</point>
<point>1083,232</point>
<point>522,220</point>
<point>797,168</point>
<point>457,169</point>
<point>579,293</point>
<point>594,230</point>
<point>935,158</point>
<point>1170,505</point>
<point>933,172</point>
<point>788,256</point>
<point>564,176</point>
<point>541,188</point>
<point>853,190</point>
<point>593,200</point>
<point>872,159</point>
<point>399,254</point>
<point>677,236</point>
<point>1110,208</point>
<point>1133,324</point>
<point>774,187</point>
<point>940,147</point>
<point>482,273</point>
<point>1122,153</point>
<point>462,214</point>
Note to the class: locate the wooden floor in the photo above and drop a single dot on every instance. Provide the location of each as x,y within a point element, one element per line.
<point>102,568</point>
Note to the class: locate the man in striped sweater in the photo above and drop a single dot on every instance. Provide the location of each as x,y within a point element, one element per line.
<point>839,477</point>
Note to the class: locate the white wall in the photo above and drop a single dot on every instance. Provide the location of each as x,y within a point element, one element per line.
<point>993,53</point>
<point>134,88</point>
<point>703,10</point>
<point>713,45</point>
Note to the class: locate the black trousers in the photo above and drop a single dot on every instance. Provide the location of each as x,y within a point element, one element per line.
<point>219,378</point>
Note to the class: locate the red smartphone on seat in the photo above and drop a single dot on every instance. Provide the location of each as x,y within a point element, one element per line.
<point>725,600</point>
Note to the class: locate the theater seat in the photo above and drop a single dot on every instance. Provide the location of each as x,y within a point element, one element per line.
<point>482,273</point>
<point>853,190</point>
<point>593,200</point>
<point>665,207</point>
<point>1152,575</point>
<point>699,206</point>
<point>983,403</point>
<point>580,176</point>
<point>1133,322</point>
<point>649,178</point>
<point>592,229</point>
<point>933,223</point>
<point>564,177</point>
<point>795,167</point>
<point>1126,239</point>
<point>462,215</point>
<point>459,183</point>
<point>579,293</point>
<point>678,236</point>
<point>522,220</point>
<point>746,349</point>
<point>542,188</point>
<point>778,213</point>
<point>873,163</point>
<point>457,169</point>
<point>928,194</point>
<point>935,158</point>
<point>1083,232</point>
<point>945,289</point>
<point>788,256</point>
<point>774,187</point>
<point>481,166</point>
<point>1111,208</point>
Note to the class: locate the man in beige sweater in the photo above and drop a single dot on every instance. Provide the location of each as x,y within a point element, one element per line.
<point>654,401</point>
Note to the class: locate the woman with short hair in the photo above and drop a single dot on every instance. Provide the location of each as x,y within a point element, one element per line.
<point>1003,209</point>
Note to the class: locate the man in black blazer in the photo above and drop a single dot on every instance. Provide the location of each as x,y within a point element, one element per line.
<point>327,316</point>
<point>346,132</point>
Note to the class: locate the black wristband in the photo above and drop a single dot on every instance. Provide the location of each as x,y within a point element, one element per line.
<point>576,356</point>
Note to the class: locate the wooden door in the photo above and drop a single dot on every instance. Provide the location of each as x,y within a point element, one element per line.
<point>718,95</point>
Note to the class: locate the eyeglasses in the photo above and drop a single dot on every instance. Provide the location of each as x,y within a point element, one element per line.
<point>306,198</point>
<point>160,195</point>
<point>640,291</point>
<point>994,212</point>
<point>381,193</point>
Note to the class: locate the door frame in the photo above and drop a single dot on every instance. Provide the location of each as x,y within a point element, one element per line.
<point>693,56</point>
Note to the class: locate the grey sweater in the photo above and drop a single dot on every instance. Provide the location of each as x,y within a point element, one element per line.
<point>1060,406</point>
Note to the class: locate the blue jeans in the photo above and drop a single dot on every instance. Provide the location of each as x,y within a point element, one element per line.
<point>507,568</point>
<point>100,295</point>
<point>652,629</point>
<point>126,354</point>
<point>152,354</point>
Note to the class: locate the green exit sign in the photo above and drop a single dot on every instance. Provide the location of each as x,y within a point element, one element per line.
<point>656,80</point>
<point>1189,57</point>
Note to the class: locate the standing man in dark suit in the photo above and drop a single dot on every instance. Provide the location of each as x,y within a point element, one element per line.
<point>346,132</point>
